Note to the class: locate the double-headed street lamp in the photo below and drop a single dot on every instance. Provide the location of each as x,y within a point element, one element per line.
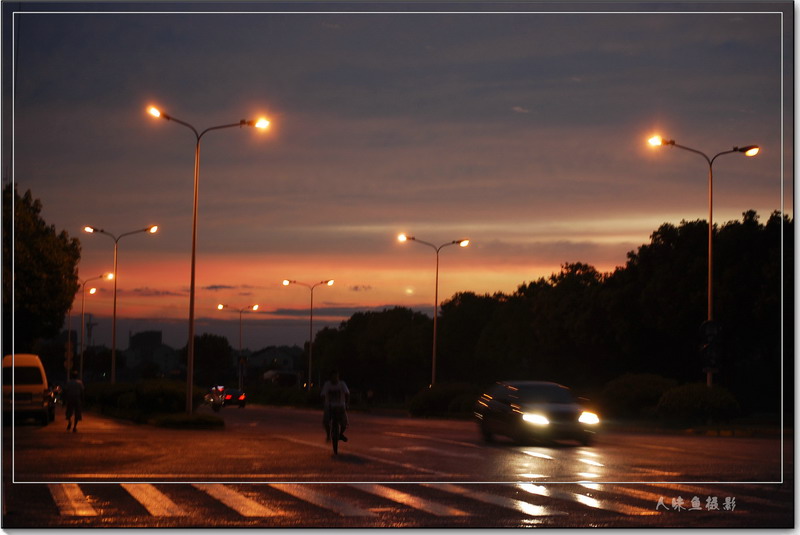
<point>462,243</point>
<point>106,276</point>
<point>152,229</point>
<point>262,124</point>
<point>311,287</point>
<point>239,361</point>
<point>749,150</point>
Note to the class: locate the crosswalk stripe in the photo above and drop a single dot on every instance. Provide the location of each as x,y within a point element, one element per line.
<point>585,500</point>
<point>493,499</point>
<point>156,502</point>
<point>236,501</point>
<point>303,492</point>
<point>70,500</point>
<point>410,500</point>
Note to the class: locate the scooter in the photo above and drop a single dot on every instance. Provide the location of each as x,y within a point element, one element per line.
<point>215,399</point>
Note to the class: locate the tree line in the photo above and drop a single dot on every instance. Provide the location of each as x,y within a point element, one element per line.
<point>584,328</point>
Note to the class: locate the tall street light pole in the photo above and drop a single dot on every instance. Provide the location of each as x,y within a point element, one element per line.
<point>749,150</point>
<point>462,243</point>
<point>239,360</point>
<point>152,229</point>
<point>311,287</point>
<point>262,124</point>
<point>107,276</point>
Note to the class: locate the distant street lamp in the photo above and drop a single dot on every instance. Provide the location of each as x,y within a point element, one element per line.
<point>311,287</point>
<point>262,124</point>
<point>107,276</point>
<point>239,362</point>
<point>462,243</point>
<point>749,150</point>
<point>152,229</point>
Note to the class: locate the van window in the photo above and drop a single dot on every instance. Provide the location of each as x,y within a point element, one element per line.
<point>23,375</point>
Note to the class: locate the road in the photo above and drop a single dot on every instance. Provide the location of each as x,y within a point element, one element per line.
<point>271,467</point>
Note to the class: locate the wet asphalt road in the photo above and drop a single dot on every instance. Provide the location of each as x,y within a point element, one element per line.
<point>271,467</point>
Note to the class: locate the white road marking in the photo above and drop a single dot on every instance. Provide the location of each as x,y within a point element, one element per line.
<point>493,499</point>
<point>442,440</point>
<point>156,502</point>
<point>370,457</point>
<point>70,500</point>
<point>410,500</point>
<point>588,501</point>
<point>325,501</point>
<point>236,501</point>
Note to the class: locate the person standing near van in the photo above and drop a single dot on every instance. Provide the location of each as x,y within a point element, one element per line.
<point>72,395</point>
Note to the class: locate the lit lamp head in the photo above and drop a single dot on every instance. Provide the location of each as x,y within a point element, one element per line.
<point>92,291</point>
<point>286,282</point>
<point>658,141</point>
<point>152,229</point>
<point>463,243</point>
<point>750,150</point>
<point>109,276</point>
<point>329,283</point>
<point>152,110</point>
<point>254,307</point>
<point>220,306</point>
<point>89,229</point>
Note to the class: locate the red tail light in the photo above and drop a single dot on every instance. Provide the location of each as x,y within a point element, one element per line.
<point>228,396</point>
<point>241,398</point>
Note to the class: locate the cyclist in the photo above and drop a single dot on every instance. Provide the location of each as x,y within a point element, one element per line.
<point>335,397</point>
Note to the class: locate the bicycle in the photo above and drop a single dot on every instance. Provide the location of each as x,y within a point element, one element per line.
<point>336,427</point>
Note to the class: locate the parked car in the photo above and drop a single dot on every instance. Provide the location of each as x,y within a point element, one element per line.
<point>29,396</point>
<point>534,410</point>
<point>232,396</point>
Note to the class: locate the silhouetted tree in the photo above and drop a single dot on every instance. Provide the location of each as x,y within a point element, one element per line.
<point>41,287</point>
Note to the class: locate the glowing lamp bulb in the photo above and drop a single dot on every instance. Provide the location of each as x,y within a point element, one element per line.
<point>330,282</point>
<point>255,307</point>
<point>92,291</point>
<point>656,141</point>
<point>752,152</point>
<point>286,282</point>
<point>153,229</point>
<point>402,238</point>
<point>463,243</point>
<point>152,110</point>
<point>220,306</point>
<point>262,123</point>
<point>88,229</point>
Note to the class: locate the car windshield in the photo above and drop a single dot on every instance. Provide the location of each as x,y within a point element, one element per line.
<point>23,375</point>
<point>545,394</point>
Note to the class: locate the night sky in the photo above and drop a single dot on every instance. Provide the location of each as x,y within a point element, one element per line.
<point>524,131</point>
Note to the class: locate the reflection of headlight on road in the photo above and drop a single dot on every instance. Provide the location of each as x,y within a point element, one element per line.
<point>589,418</point>
<point>537,419</point>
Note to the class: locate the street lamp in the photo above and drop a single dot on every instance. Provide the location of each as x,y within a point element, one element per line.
<point>749,150</point>
<point>241,311</point>
<point>311,287</point>
<point>461,243</point>
<point>106,276</point>
<point>152,229</point>
<point>262,124</point>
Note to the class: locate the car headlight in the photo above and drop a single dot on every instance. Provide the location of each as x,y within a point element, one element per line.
<point>536,419</point>
<point>589,418</point>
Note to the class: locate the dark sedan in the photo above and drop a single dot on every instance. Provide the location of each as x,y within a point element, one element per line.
<point>534,410</point>
<point>232,396</point>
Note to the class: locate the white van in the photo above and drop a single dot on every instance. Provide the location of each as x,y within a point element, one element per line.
<point>29,396</point>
